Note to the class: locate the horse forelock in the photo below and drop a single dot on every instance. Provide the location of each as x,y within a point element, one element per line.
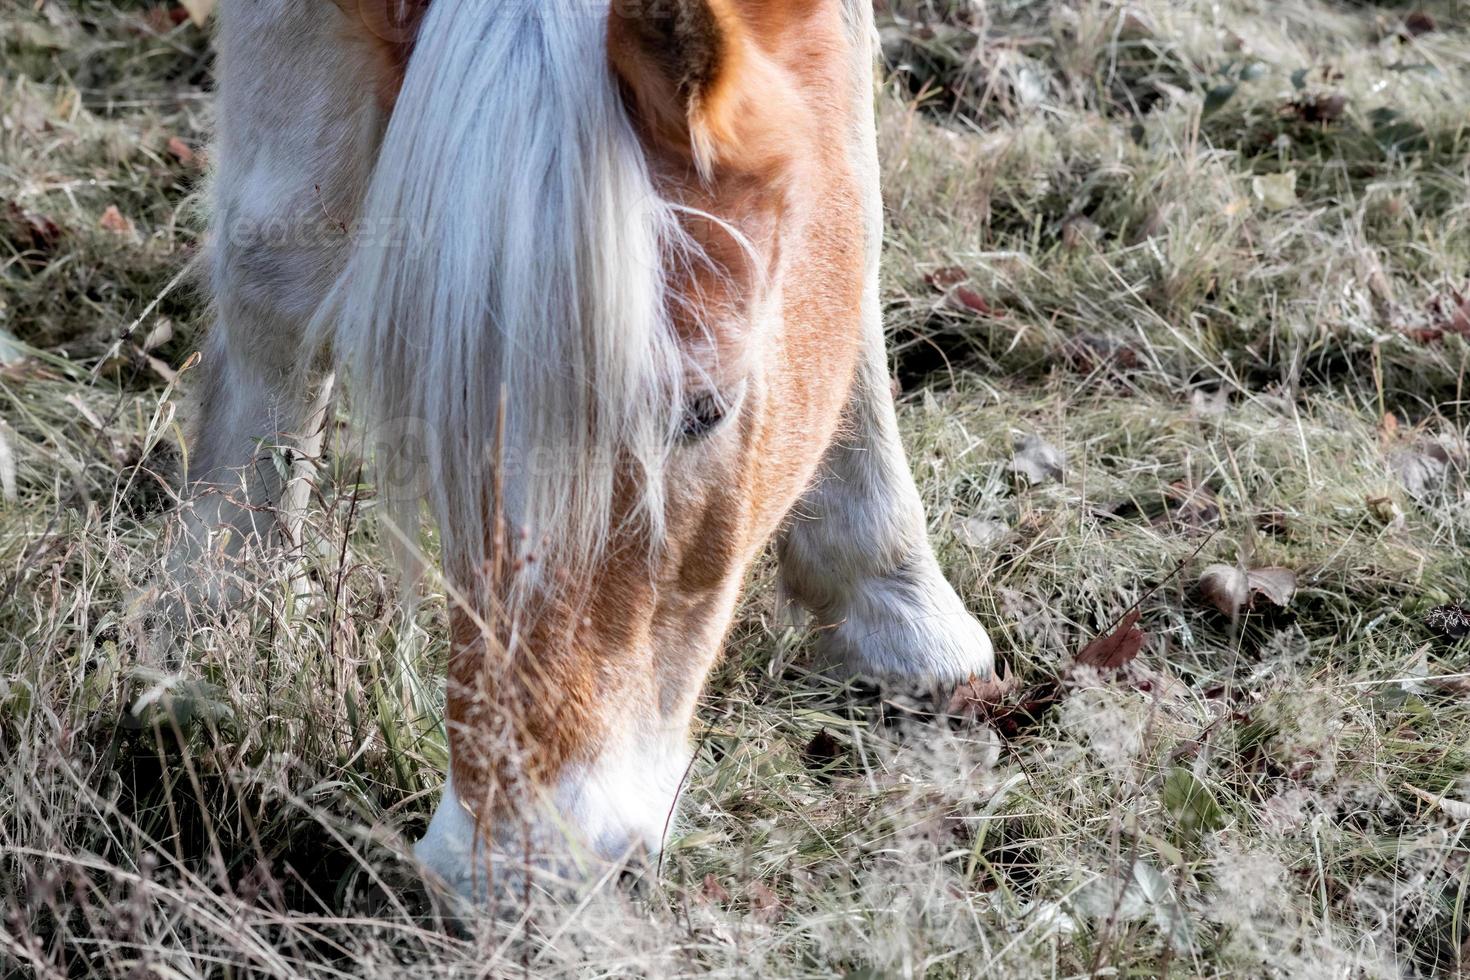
<point>505,313</point>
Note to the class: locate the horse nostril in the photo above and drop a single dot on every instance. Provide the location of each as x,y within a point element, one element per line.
<point>636,876</point>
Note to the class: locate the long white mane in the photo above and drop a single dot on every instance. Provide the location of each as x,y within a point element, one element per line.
<point>512,255</point>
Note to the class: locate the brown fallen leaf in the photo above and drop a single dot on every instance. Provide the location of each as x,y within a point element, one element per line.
<point>1080,230</point>
<point>1423,335</point>
<point>1276,585</point>
<point>1458,320</point>
<point>162,333</point>
<point>1114,649</point>
<point>157,365</point>
<point>1422,468</point>
<point>1446,312</point>
<point>29,231</point>
<point>181,151</point>
<point>953,281</point>
<point>967,299</point>
<point>1226,587</point>
<point>1090,351</point>
<point>765,904</point>
<point>998,705</point>
<point>1209,403</point>
<point>977,697</point>
<point>164,18</point>
<point>115,221</point>
<point>984,535</point>
<point>1189,506</point>
<point>1233,590</point>
<point>712,892</point>
<point>1388,428</point>
<point>1276,523</point>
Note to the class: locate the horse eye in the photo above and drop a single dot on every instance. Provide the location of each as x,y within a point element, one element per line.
<point>703,413</point>
<point>706,411</point>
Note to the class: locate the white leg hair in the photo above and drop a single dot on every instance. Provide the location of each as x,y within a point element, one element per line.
<point>298,128</point>
<point>856,554</point>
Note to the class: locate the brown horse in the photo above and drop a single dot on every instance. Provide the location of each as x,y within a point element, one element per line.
<point>606,276</point>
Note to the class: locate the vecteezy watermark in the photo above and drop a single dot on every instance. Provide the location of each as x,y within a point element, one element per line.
<point>282,232</point>
<point>406,453</point>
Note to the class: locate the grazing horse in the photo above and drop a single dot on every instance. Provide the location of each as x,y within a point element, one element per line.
<point>605,273</point>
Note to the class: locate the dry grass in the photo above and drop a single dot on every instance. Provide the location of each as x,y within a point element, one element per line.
<point>1199,266</point>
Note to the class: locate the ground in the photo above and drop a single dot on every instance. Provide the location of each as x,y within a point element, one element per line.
<point>1172,285</point>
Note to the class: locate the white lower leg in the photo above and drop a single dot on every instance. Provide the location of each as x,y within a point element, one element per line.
<point>857,555</point>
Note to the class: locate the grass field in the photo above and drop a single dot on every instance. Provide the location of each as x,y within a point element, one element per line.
<point>1171,285</point>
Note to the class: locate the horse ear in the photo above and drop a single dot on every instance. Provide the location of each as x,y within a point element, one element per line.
<point>699,79</point>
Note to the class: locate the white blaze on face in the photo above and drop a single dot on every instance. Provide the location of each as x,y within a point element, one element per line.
<point>618,807</point>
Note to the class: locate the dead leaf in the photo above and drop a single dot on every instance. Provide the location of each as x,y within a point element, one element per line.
<point>164,18</point>
<point>1273,522</point>
<point>1089,351</point>
<point>1458,320</point>
<point>1388,428</point>
<point>1209,404</point>
<point>1276,585</point>
<point>1446,312</point>
<point>85,411</point>
<point>967,299</point>
<point>1117,648</point>
<point>765,904</point>
<point>159,367</point>
<point>978,696</point>
<point>1038,460</point>
<point>1080,230</point>
<point>1386,511</point>
<point>1422,469</point>
<point>953,281</point>
<point>712,892</point>
<point>1232,590</point>
<point>1276,191</point>
<point>181,151</point>
<point>1225,587</point>
<point>115,221</point>
<point>1423,335</point>
<point>1190,506</point>
<point>30,232</point>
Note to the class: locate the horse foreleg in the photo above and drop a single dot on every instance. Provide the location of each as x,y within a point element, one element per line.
<point>856,553</point>
<point>297,136</point>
